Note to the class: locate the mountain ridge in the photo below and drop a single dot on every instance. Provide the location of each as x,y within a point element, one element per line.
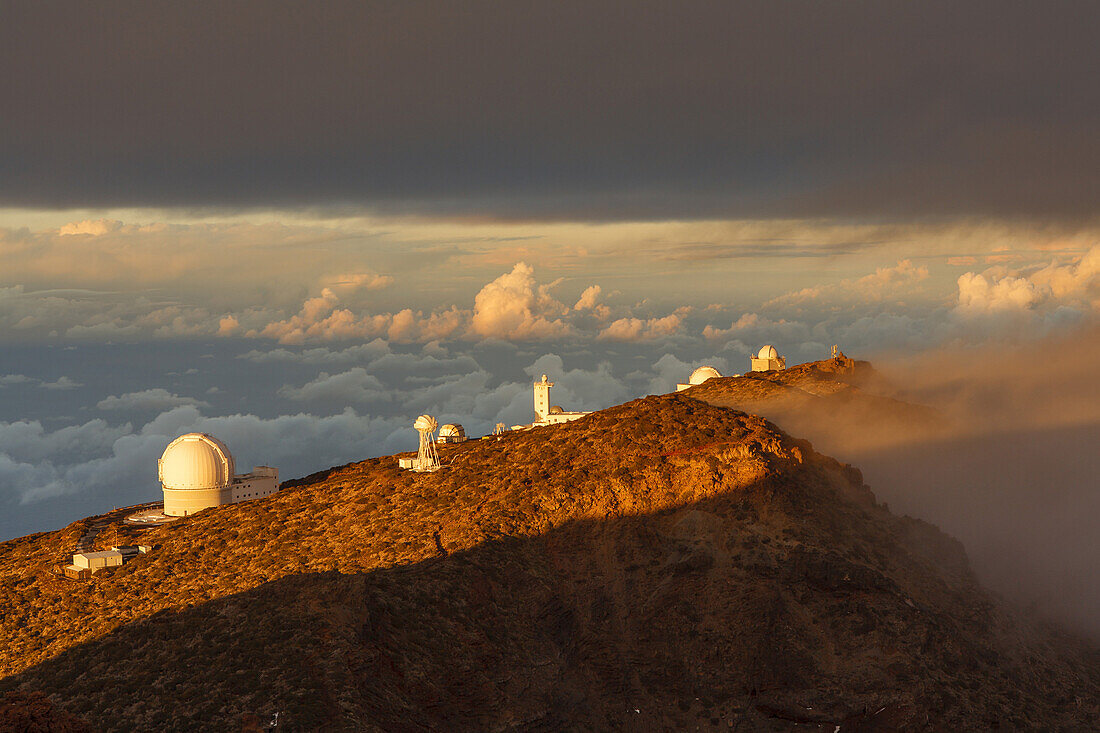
<point>663,563</point>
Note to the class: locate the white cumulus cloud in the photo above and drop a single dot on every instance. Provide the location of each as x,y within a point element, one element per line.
<point>885,282</point>
<point>321,354</point>
<point>90,227</point>
<point>638,329</point>
<point>981,294</point>
<point>1075,281</point>
<point>321,319</point>
<point>1068,285</point>
<point>514,306</point>
<point>157,398</point>
<point>354,385</point>
<point>361,281</point>
<point>60,384</point>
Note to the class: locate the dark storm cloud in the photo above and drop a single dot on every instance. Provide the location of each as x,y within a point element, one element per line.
<point>586,109</point>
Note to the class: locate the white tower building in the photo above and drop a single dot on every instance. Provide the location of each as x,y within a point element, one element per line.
<point>197,471</point>
<point>542,398</point>
<point>767,359</point>
<point>547,414</point>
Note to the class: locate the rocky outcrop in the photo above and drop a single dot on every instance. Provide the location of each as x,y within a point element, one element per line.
<point>839,403</point>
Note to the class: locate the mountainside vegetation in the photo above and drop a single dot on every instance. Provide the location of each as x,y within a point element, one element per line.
<point>663,564</point>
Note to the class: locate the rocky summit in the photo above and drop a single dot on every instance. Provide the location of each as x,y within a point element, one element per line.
<point>840,403</point>
<point>667,564</point>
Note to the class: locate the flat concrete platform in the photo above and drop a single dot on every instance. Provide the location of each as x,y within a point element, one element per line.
<point>149,517</point>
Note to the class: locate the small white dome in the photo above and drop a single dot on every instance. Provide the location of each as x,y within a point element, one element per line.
<point>196,461</point>
<point>768,352</point>
<point>452,430</point>
<point>702,374</point>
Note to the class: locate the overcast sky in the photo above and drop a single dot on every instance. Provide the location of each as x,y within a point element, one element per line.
<point>593,110</point>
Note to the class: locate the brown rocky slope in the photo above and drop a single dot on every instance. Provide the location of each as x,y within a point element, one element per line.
<point>661,565</point>
<point>839,403</point>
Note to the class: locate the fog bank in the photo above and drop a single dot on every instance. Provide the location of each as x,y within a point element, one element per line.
<point>1011,471</point>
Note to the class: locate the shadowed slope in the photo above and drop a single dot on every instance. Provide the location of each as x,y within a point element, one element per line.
<point>661,564</point>
<point>1009,467</point>
<point>34,713</point>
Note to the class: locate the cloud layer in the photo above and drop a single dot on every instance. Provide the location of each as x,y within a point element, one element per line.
<point>1025,293</point>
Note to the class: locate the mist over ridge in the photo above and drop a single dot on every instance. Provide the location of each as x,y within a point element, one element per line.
<point>1007,465</point>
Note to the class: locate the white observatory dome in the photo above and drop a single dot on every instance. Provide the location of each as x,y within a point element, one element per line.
<point>768,352</point>
<point>702,374</point>
<point>452,430</point>
<point>196,461</point>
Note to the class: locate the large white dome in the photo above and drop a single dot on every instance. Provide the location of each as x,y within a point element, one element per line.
<point>196,461</point>
<point>702,374</point>
<point>768,352</point>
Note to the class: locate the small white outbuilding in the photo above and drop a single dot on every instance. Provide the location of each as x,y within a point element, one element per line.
<point>98,560</point>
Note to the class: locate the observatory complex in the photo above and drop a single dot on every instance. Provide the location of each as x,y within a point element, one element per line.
<point>197,471</point>
<point>767,359</point>
<point>547,414</point>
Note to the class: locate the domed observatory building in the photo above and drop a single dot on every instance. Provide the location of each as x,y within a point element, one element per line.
<point>451,433</point>
<point>699,376</point>
<point>197,471</point>
<point>768,359</point>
